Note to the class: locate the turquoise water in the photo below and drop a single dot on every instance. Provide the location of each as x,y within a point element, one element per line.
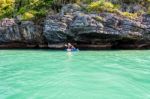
<point>43,74</point>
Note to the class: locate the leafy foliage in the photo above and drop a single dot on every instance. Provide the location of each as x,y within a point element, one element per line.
<point>101,6</point>
<point>34,9</point>
<point>114,6</point>
<point>28,9</point>
<point>129,15</point>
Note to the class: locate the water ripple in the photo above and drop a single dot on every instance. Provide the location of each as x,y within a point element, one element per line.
<point>43,74</point>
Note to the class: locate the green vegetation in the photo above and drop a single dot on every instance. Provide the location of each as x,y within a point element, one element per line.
<point>35,9</point>
<point>129,15</point>
<point>101,6</point>
<point>148,11</point>
<point>27,9</point>
<point>113,6</point>
<point>98,18</point>
<point>6,8</point>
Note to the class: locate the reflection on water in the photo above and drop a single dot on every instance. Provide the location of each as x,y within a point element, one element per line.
<point>69,54</point>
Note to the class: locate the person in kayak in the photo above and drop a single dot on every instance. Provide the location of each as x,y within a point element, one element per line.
<point>70,47</point>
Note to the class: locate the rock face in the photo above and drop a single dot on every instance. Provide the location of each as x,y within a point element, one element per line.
<point>95,31</point>
<point>30,33</point>
<point>9,34</point>
<point>24,34</point>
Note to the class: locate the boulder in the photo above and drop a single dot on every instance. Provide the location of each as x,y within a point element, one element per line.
<point>9,34</point>
<point>55,30</point>
<point>30,33</point>
<point>23,34</point>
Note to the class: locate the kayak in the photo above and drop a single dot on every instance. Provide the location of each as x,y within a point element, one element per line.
<point>72,50</point>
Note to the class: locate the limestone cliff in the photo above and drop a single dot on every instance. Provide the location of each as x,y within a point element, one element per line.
<point>85,30</point>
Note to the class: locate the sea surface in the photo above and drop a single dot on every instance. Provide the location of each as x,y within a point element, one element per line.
<point>46,74</point>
